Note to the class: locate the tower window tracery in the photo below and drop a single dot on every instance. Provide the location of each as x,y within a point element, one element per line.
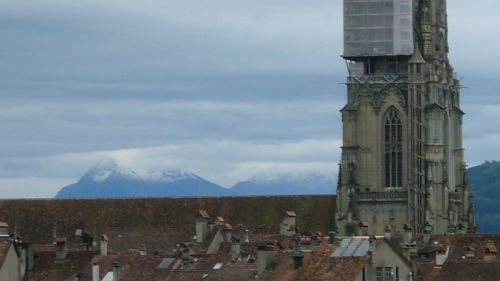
<point>393,129</point>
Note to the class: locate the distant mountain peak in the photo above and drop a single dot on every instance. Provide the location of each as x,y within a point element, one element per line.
<point>110,180</point>
<point>287,176</point>
<point>287,183</point>
<point>108,170</point>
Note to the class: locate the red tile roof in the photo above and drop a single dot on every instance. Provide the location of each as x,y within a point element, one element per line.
<point>48,269</point>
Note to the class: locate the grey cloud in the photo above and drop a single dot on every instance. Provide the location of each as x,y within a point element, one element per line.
<point>83,80</point>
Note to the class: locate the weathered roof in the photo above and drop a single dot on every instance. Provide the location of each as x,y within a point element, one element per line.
<point>5,244</point>
<point>35,219</point>
<point>291,214</point>
<point>47,269</point>
<point>3,224</point>
<point>462,271</point>
<point>133,266</point>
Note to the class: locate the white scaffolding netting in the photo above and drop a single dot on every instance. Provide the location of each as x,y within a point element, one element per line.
<point>378,27</point>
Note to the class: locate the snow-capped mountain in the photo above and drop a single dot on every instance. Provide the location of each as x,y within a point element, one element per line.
<point>298,183</point>
<point>111,181</point>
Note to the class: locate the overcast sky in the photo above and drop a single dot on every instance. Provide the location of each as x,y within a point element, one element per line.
<point>224,88</point>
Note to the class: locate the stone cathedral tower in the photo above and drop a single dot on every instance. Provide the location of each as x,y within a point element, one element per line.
<point>402,154</point>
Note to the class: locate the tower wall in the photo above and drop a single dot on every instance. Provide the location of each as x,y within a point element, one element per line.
<point>402,155</point>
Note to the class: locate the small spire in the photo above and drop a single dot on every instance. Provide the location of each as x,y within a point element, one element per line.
<point>416,57</point>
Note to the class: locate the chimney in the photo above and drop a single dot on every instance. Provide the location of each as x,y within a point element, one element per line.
<point>202,226</point>
<point>61,249</point>
<point>228,232</point>
<point>442,255</point>
<point>428,229</point>
<point>144,250</point>
<point>219,221</point>
<point>104,245</point>
<point>414,265</point>
<point>247,235</point>
<point>116,271</point>
<point>235,249</point>
<point>292,219</point>
<point>30,258</point>
<point>332,236</point>
<point>95,272</point>
<point>4,229</point>
<point>408,234</point>
<point>470,252</point>
<point>265,253</point>
<point>388,232</point>
<point>298,258</point>
<point>363,228</point>
<point>490,252</point>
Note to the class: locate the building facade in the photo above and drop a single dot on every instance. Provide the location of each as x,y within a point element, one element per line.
<point>402,154</point>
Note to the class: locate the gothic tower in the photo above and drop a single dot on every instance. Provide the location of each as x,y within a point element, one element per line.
<point>402,155</point>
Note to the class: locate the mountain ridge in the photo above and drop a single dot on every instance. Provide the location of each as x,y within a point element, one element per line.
<point>108,180</point>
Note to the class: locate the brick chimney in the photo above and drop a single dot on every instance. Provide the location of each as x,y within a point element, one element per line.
<point>95,272</point>
<point>61,249</point>
<point>116,271</point>
<point>104,245</point>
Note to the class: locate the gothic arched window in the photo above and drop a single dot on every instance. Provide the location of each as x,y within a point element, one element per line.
<point>393,153</point>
